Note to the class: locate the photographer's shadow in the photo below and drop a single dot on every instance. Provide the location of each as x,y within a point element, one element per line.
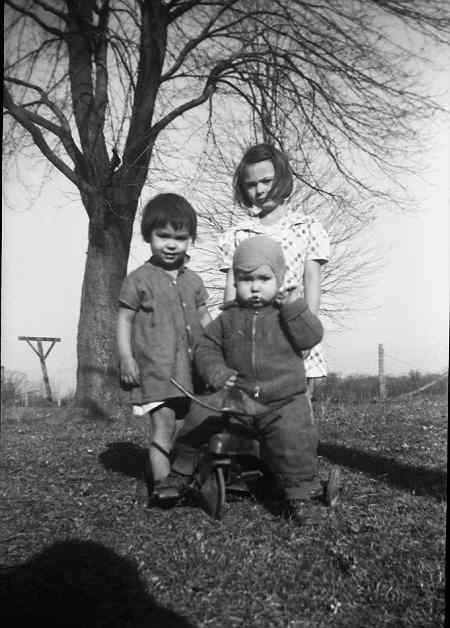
<point>80,584</point>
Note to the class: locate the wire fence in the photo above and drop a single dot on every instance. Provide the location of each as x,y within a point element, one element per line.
<point>16,389</point>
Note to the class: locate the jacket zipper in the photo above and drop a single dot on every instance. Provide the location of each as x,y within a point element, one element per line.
<point>255,314</point>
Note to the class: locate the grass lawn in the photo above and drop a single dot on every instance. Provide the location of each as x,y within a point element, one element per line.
<point>79,548</point>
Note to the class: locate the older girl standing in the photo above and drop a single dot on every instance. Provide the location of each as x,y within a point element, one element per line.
<point>263,183</point>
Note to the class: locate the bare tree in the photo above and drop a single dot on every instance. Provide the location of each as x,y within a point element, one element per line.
<point>96,83</point>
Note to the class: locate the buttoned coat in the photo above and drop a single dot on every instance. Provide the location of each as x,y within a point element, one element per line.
<point>263,346</point>
<point>166,328</point>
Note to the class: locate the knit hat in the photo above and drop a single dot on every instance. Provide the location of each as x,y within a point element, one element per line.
<point>257,251</point>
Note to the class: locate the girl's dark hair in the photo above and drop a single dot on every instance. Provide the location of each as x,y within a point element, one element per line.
<point>283,180</point>
<point>168,209</point>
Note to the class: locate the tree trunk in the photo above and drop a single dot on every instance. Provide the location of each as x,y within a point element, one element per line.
<point>106,266</point>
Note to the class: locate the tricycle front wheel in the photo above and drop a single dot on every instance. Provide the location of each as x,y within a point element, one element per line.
<point>212,492</point>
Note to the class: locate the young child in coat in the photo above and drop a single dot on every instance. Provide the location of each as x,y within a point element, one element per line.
<point>162,308</point>
<point>255,345</point>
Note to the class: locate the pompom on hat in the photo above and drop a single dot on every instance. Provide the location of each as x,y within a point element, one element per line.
<point>257,251</point>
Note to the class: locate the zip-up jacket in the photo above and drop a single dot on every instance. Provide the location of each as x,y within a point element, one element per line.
<point>263,346</point>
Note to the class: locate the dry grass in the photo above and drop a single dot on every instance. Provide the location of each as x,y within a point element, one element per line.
<point>78,547</point>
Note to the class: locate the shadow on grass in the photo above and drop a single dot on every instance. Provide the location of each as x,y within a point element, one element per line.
<point>420,480</point>
<point>126,458</point>
<point>80,584</point>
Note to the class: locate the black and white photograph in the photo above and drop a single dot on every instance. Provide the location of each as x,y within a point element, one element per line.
<point>225,313</point>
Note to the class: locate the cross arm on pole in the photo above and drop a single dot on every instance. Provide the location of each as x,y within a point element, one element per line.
<point>39,339</point>
<point>51,347</point>
<point>36,351</point>
<point>44,338</point>
<point>39,351</point>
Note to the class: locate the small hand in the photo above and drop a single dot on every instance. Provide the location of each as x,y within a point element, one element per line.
<point>306,354</point>
<point>231,381</point>
<point>289,296</point>
<point>129,371</point>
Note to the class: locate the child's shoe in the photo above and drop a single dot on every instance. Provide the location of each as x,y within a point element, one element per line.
<point>303,511</point>
<point>171,487</point>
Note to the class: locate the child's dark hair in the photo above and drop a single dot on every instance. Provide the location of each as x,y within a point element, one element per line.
<point>283,180</point>
<point>168,209</point>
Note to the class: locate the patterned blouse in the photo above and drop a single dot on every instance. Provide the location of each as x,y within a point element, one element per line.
<point>302,238</point>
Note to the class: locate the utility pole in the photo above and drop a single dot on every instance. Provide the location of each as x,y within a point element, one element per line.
<point>39,351</point>
<point>3,392</point>
<point>381,377</point>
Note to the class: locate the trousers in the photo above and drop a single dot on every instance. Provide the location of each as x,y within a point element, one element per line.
<point>288,439</point>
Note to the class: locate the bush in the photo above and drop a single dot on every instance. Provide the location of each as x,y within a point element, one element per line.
<point>356,388</point>
<point>14,387</point>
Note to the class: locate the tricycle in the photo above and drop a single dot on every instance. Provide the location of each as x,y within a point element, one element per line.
<point>230,462</point>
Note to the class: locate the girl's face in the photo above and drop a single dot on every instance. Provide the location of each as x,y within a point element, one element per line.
<point>169,245</point>
<point>256,288</point>
<point>258,180</point>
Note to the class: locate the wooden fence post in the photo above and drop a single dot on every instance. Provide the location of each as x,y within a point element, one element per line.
<point>381,376</point>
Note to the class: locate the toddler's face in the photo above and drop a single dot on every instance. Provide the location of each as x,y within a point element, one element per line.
<point>258,180</point>
<point>169,245</point>
<point>256,288</point>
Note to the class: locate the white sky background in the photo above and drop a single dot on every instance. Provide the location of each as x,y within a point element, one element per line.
<point>44,241</point>
<point>406,308</point>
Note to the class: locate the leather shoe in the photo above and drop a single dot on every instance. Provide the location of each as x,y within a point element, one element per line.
<point>303,511</point>
<point>171,487</point>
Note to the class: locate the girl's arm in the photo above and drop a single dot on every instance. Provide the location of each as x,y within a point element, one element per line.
<point>230,289</point>
<point>205,316</point>
<point>311,285</point>
<point>129,371</point>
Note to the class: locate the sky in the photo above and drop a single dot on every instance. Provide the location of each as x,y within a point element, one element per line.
<point>405,307</point>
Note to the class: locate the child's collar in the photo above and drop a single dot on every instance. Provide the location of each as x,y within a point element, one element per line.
<point>291,217</point>
<point>231,304</point>
<point>181,269</point>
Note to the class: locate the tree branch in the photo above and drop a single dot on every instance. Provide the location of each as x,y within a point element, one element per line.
<point>85,43</point>
<point>152,49</point>
<point>176,9</point>
<point>25,119</point>
<point>63,131</point>
<point>195,41</point>
<point>22,11</point>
